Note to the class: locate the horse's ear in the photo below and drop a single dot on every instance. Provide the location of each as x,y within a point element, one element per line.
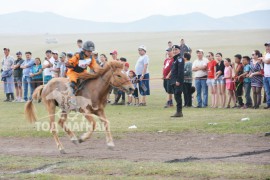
<point>116,64</point>
<point>112,65</point>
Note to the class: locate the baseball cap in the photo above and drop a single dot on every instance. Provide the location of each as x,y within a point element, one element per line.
<point>55,52</point>
<point>199,50</point>
<point>143,47</point>
<point>176,47</point>
<point>19,53</point>
<point>127,64</point>
<point>267,44</point>
<point>113,52</point>
<point>169,49</point>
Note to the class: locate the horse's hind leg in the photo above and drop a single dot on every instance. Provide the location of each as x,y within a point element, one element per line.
<point>109,138</point>
<point>88,134</point>
<point>62,123</point>
<point>51,109</point>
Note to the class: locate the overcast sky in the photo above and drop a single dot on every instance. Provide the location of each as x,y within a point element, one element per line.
<point>130,10</point>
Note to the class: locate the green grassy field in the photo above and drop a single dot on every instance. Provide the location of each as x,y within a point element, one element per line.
<point>152,118</point>
<point>121,169</point>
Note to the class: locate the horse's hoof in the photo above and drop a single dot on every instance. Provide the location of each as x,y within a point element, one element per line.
<point>80,141</point>
<point>75,141</point>
<point>62,151</point>
<point>110,145</point>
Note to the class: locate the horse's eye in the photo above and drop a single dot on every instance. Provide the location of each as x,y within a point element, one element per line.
<point>119,76</point>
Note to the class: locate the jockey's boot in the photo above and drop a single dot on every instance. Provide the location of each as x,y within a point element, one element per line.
<point>72,97</point>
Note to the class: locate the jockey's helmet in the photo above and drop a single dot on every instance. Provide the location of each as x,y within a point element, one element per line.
<point>89,46</point>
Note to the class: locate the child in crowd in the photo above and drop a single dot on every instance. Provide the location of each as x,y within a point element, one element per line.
<point>247,81</point>
<point>239,69</point>
<point>134,80</point>
<point>122,93</point>
<point>228,73</point>
<point>126,68</point>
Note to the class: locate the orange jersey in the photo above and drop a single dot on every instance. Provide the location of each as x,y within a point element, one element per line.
<point>80,66</point>
<point>74,61</point>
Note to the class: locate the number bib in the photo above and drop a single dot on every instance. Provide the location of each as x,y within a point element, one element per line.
<point>84,63</point>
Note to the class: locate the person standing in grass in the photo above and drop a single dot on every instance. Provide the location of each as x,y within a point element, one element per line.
<point>114,55</point>
<point>256,78</point>
<point>239,81</point>
<point>177,80</point>
<point>62,65</point>
<point>199,66</point>
<point>7,75</point>
<point>80,45</point>
<point>36,74</point>
<point>230,86</point>
<point>187,81</point>
<point>17,73</point>
<point>220,81</point>
<point>246,81</point>
<point>266,80</point>
<point>166,77</point>
<point>27,80</point>
<point>47,66</point>
<point>170,44</point>
<point>56,64</point>
<point>141,69</point>
<point>134,80</point>
<point>211,80</point>
<point>184,48</point>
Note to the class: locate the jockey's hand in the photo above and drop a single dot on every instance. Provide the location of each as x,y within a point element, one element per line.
<point>99,70</point>
<point>69,65</point>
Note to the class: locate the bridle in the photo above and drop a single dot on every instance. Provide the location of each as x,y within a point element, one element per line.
<point>115,80</point>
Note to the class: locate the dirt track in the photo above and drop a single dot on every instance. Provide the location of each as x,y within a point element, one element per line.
<point>151,147</point>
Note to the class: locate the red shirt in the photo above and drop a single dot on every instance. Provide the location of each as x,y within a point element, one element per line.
<point>167,66</point>
<point>240,69</point>
<point>211,69</point>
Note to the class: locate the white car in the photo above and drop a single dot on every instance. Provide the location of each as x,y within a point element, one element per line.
<point>51,40</point>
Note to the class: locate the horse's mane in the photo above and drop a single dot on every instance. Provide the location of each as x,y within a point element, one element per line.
<point>102,70</point>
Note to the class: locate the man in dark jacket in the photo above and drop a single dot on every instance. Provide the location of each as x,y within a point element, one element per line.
<point>177,79</point>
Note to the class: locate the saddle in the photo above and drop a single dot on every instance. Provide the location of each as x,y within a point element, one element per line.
<point>80,85</point>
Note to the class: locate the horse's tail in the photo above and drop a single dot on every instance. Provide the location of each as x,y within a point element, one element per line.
<point>29,110</point>
<point>37,93</point>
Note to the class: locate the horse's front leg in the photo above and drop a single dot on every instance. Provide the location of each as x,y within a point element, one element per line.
<point>88,134</point>
<point>51,109</point>
<point>106,122</point>
<point>62,123</point>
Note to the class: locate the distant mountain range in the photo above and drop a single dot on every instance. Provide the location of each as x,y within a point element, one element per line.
<point>32,22</point>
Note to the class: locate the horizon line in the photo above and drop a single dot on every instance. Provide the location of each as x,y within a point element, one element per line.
<point>43,12</point>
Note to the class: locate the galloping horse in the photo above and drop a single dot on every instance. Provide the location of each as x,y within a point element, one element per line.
<point>95,90</point>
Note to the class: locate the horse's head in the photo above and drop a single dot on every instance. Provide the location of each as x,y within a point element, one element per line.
<point>120,79</point>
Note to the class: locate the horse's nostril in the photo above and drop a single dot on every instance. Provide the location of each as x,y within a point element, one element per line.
<point>131,89</point>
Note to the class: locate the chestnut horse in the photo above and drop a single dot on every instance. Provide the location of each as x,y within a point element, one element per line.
<point>94,91</point>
